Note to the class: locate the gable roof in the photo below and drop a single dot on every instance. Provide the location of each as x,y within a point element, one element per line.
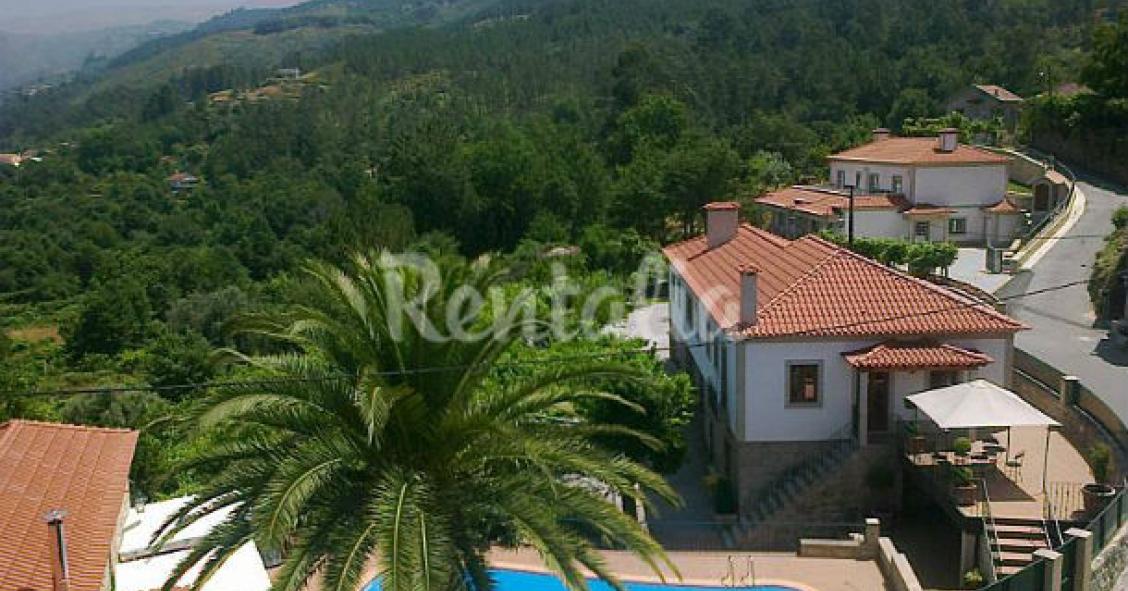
<point>827,202</point>
<point>999,93</point>
<point>82,470</point>
<point>919,151</point>
<point>810,287</point>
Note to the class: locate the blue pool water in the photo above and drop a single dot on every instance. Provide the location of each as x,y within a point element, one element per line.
<point>514,580</point>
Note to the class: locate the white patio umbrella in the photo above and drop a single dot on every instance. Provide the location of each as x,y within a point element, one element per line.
<point>981,404</point>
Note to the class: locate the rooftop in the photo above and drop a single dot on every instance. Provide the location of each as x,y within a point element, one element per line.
<point>827,202</point>
<point>999,93</point>
<point>82,470</point>
<point>811,287</point>
<point>894,356</point>
<point>919,151</point>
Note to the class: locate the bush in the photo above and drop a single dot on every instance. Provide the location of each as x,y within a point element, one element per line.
<point>1099,458</point>
<point>961,475</point>
<point>1120,217</point>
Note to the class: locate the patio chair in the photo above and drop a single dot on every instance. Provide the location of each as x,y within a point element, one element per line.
<point>1015,464</point>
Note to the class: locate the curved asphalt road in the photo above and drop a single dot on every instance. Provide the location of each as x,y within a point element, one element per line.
<point>1062,321</point>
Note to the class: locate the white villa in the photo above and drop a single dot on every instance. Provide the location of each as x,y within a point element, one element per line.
<point>917,188</point>
<point>797,342</point>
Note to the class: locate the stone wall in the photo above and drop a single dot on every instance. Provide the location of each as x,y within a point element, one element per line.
<point>1110,565</point>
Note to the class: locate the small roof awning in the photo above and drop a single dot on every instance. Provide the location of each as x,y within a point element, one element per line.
<point>978,404</point>
<point>892,356</point>
<point>1004,207</point>
<point>928,210</point>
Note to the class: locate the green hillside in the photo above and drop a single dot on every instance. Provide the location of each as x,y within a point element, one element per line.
<point>457,127</point>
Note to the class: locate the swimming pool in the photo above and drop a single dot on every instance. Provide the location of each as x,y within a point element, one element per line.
<point>515,580</point>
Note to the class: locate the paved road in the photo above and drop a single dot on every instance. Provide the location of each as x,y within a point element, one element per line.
<point>1063,334</point>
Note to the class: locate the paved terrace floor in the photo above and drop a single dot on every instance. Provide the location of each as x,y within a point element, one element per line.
<point>1017,492</point>
<point>707,568</point>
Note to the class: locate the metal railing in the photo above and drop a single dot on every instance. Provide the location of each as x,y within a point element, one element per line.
<point>992,532</point>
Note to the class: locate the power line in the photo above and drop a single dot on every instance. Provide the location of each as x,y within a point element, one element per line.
<point>818,330</point>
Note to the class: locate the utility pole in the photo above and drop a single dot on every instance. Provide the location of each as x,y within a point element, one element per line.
<point>850,221</point>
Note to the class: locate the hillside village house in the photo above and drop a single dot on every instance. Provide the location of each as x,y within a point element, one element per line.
<point>66,523</point>
<point>915,188</point>
<point>987,101</point>
<point>795,342</point>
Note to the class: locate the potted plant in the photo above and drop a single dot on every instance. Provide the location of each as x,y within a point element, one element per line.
<point>973,579</point>
<point>962,446</point>
<point>1097,494</point>
<point>963,487</point>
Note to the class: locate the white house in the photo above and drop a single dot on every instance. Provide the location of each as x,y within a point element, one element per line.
<point>797,342</point>
<point>916,188</point>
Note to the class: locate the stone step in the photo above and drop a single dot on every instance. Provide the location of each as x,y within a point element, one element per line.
<point>1017,531</point>
<point>1006,571</point>
<point>1021,544</point>
<point>1018,521</point>
<point>1019,559</point>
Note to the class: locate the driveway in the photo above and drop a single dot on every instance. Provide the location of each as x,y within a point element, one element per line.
<point>1062,332</point>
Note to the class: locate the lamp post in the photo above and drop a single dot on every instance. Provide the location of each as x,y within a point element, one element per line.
<point>850,220</point>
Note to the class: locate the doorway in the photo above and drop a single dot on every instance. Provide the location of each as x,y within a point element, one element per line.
<point>877,402</point>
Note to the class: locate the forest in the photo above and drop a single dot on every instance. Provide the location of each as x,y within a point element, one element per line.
<point>519,128</point>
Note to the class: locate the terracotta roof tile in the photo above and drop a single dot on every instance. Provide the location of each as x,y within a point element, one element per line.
<point>826,202</point>
<point>44,466</point>
<point>920,151</point>
<point>810,287</point>
<point>903,356</point>
<point>1004,207</point>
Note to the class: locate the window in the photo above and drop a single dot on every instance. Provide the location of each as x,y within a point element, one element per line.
<point>804,383</point>
<point>957,226</point>
<point>874,182</point>
<point>690,324</point>
<point>941,379</point>
<point>922,230</point>
<point>897,185</point>
<point>840,179</point>
<point>858,179</point>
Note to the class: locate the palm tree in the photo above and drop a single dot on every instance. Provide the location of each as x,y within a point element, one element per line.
<point>408,453</point>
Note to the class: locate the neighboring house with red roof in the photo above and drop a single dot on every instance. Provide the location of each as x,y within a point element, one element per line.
<point>794,342</point>
<point>81,472</point>
<point>987,101</point>
<point>916,188</point>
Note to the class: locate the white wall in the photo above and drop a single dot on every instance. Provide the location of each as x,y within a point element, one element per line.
<point>769,418</point>
<point>885,171</point>
<point>961,185</point>
<point>880,223</point>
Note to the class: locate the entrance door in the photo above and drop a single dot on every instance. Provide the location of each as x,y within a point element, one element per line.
<point>877,402</point>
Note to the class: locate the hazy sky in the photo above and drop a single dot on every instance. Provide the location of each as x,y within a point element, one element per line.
<point>52,16</point>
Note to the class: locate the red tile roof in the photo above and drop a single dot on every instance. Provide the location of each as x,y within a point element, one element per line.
<point>902,356</point>
<point>999,93</point>
<point>45,466</point>
<point>1004,207</point>
<point>810,287</point>
<point>919,151</point>
<point>825,202</point>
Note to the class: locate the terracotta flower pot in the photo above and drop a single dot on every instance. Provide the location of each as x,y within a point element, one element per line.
<point>1096,496</point>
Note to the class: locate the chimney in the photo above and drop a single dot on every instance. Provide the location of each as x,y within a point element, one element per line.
<point>749,283</point>
<point>881,133</point>
<point>948,139</point>
<point>721,221</point>
<point>57,547</point>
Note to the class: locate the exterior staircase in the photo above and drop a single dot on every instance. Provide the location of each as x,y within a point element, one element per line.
<point>789,485</point>
<point>1014,541</point>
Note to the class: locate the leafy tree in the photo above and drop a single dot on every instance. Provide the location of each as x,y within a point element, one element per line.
<point>1107,69</point>
<point>114,317</point>
<point>420,452</point>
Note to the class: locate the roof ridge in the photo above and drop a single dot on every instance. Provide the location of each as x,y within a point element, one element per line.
<point>66,426</point>
<point>805,276</point>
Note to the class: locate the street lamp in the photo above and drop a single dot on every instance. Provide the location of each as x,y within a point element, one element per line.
<point>850,219</point>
